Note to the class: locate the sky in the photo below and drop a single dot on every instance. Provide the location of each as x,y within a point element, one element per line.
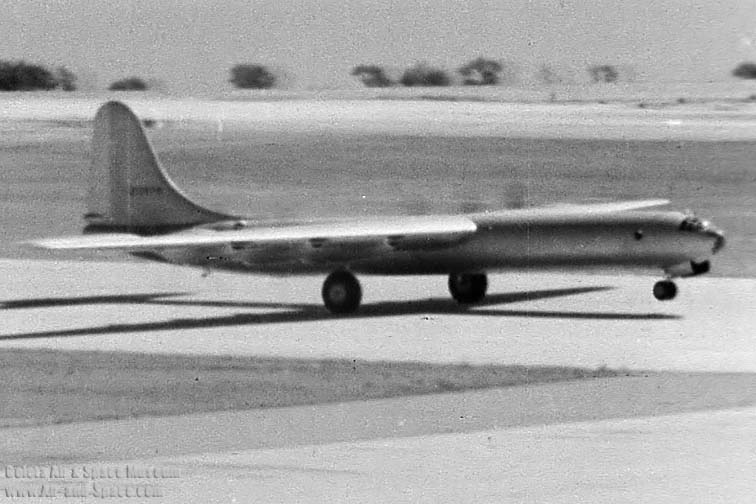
<point>190,45</point>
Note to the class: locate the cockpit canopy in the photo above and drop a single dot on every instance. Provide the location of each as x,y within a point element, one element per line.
<point>694,224</point>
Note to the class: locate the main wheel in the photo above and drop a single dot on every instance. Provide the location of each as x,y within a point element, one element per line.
<point>341,292</point>
<point>467,288</point>
<point>665,290</point>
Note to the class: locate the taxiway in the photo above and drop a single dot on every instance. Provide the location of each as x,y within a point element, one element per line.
<point>540,318</point>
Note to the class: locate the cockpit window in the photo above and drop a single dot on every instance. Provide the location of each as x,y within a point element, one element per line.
<point>692,224</point>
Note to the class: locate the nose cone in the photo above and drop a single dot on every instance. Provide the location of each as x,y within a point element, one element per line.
<point>719,239</point>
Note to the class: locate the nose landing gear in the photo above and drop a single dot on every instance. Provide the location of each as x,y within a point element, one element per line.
<point>665,290</point>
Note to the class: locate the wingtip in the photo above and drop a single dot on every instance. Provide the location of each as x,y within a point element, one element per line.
<point>659,202</point>
<point>59,243</point>
<point>43,243</point>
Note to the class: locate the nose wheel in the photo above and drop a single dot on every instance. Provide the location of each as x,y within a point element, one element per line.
<point>665,290</point>
<point>341,292</point>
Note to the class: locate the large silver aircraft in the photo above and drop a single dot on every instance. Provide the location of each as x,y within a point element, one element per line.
<point>133,206</point>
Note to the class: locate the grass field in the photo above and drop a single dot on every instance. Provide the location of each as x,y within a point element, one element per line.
<point>299,176</point>
<point>46,386</point>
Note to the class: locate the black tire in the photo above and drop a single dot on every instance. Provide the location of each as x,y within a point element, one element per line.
<point>468,288</point>
<point>665,290</point>
<point>341,292</point>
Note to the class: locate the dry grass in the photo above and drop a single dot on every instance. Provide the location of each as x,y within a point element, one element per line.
<point>46,386</point>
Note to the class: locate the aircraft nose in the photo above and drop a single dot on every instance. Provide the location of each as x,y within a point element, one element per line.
<point>719,239</point>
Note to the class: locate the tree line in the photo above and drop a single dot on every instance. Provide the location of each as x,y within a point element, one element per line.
<point>487,72</point>
<point>481,71</point>
<point>22,76</point>
<point>478,72</point>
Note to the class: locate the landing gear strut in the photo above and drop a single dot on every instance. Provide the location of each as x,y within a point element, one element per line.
<point>664,290</point>
<point>468,288</point>
<point>341,292</point>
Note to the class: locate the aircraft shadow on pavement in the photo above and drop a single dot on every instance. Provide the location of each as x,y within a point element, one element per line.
<point>309,312</point>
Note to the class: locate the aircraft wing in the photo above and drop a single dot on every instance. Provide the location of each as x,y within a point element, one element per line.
<point>400,233</point>
<point>568,209</point>
<point>611,207</point>
<point>353,238</point>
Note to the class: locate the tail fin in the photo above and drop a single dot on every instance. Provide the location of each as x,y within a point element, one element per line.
<point>129,190</point>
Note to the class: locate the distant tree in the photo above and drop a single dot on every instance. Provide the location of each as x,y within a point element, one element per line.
<point>746,70</point>
<point>128,84</point>
<point>603,73</point>
<point>248,76</point>
<point>22,76</point>
<point>65,78</point>
<point>481,72</point>
<point>36,77</point>
<point>372,76</point>
<point>424,75</point>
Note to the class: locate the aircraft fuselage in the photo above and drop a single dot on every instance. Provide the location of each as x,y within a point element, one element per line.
<point>518,240</point>
<point>133,206</point>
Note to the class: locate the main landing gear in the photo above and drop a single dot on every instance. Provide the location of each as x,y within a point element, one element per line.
<point>664,290</point>
<point>341,292</point>
<point>468,288</point>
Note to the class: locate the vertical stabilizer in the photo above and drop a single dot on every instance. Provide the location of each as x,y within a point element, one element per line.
<point>128,189</point>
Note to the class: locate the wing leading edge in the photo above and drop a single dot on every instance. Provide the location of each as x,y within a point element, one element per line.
<point>568,209</point>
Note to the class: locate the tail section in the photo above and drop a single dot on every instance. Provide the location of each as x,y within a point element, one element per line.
<point>129,191</point>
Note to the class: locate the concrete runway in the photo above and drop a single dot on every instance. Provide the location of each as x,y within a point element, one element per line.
<point>530,318</point>
<point>618,440</point>
<point>667,437</point>
<point>629,460</point>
